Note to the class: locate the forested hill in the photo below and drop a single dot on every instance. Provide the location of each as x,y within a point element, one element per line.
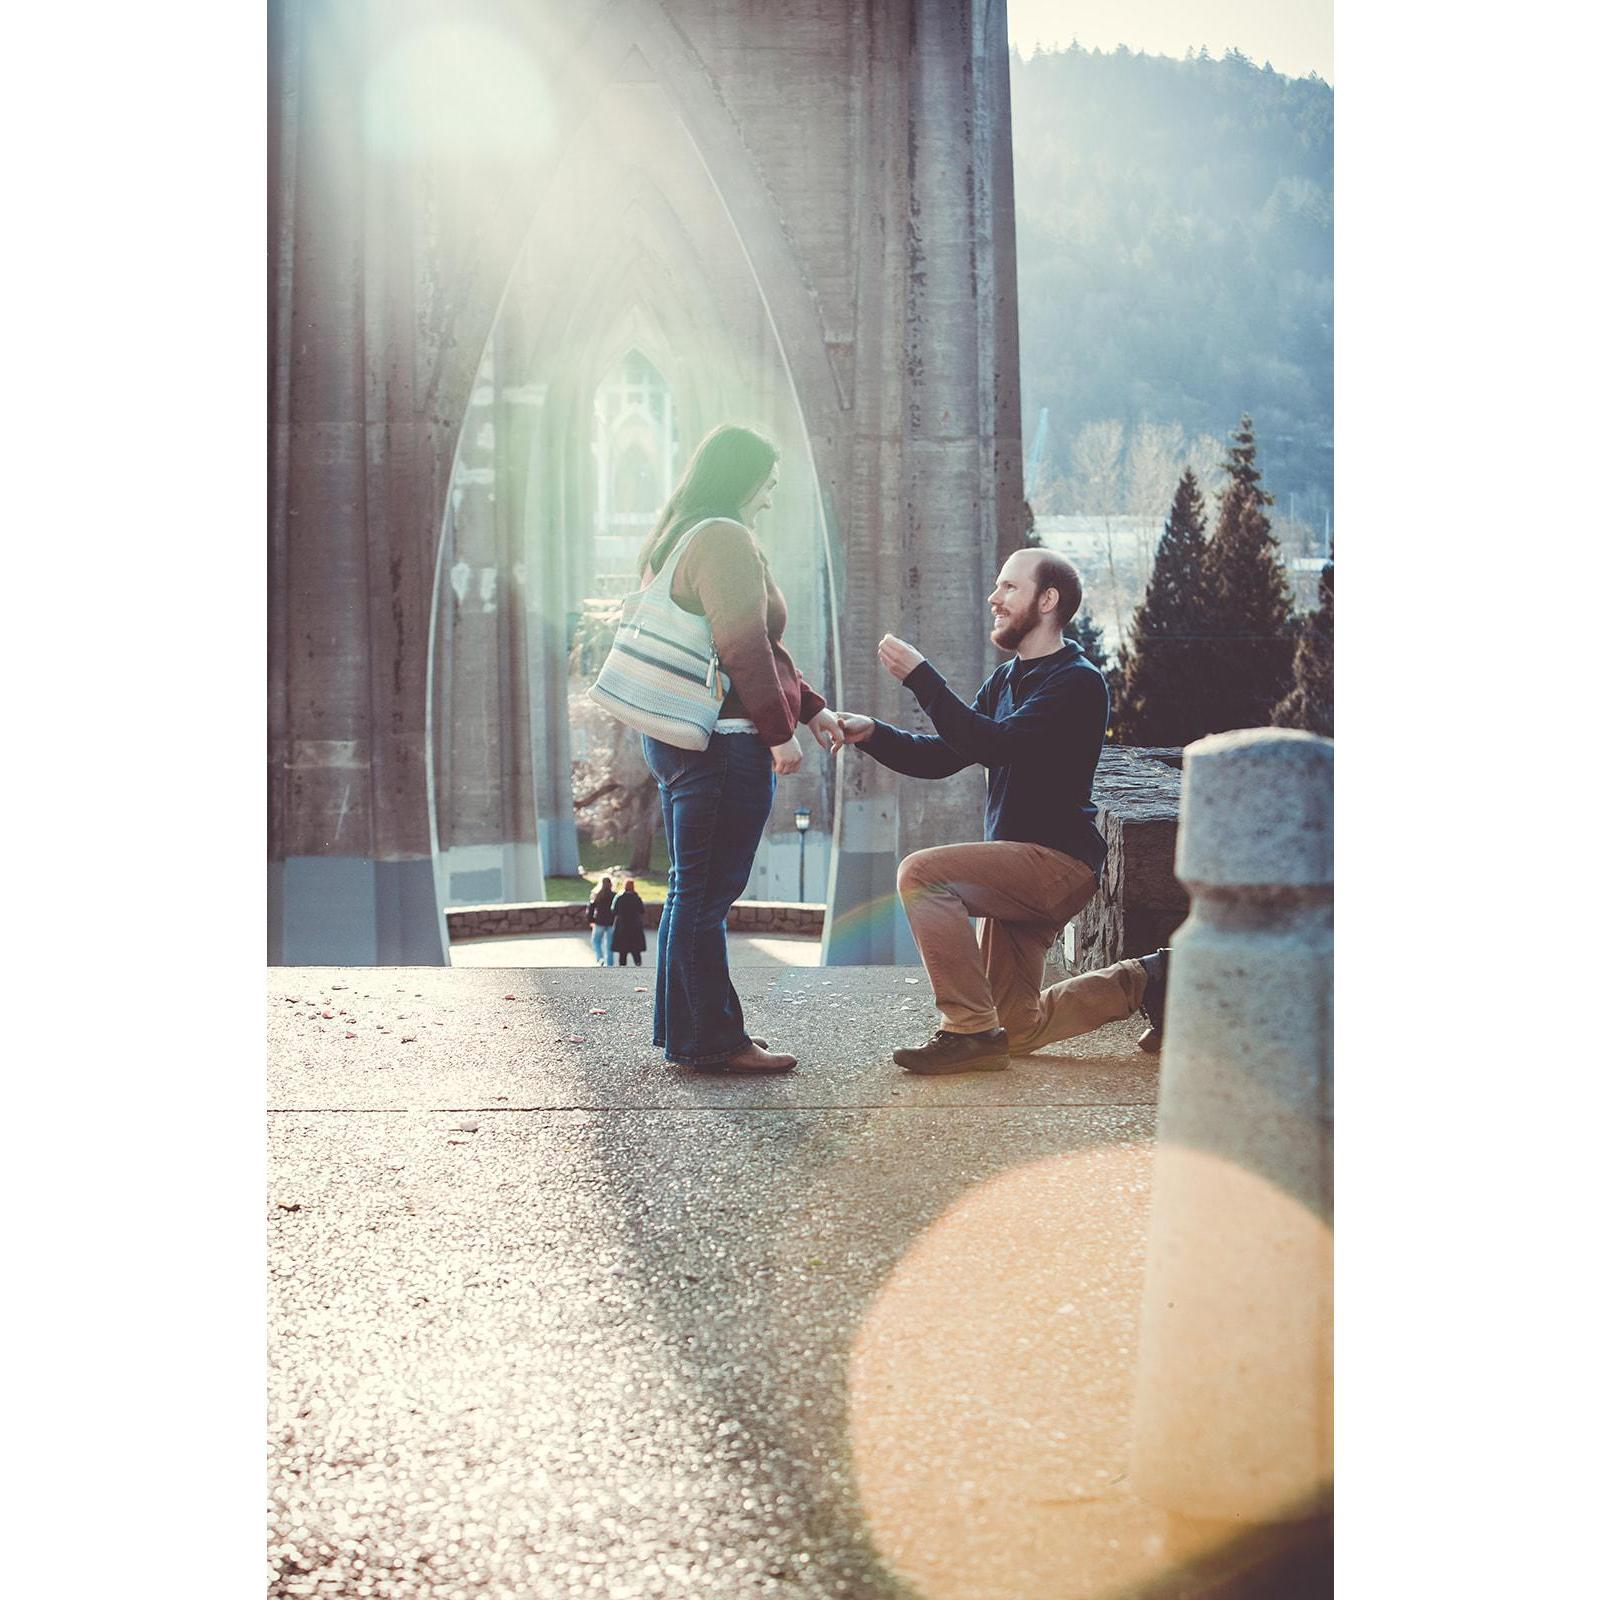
<point>1175,257</point>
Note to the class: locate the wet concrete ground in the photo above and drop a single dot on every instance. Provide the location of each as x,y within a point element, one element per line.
<point>551,1318</point>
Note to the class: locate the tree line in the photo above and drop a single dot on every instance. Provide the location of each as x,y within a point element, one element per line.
<point>1216,644</point>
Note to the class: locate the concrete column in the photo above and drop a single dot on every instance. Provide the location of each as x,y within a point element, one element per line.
<point>350,865</point>
<point>545,556</point>
<point>1233,1405</point>
<point>999,339</point>
<point>936,491</point>
<point>865,514</point>
<point>519,809</point>
<point>949,520</point>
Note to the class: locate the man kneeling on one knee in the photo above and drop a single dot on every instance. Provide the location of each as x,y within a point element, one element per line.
<point>1037,725</point>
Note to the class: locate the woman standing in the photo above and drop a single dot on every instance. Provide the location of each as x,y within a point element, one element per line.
<point>627,931</point>
<point>715,802</point>
<point>600,916</point>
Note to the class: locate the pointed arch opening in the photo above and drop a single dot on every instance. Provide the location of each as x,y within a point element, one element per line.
<point>620,340</point>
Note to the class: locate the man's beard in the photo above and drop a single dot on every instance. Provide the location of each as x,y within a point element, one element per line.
<point>1008,635</point>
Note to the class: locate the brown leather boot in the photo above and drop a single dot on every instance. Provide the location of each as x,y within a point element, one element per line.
<point>752,1059</point>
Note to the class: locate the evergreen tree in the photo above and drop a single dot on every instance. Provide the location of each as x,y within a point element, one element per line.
<point>1116,676</point>
<point>1252,639</point>
<point>1088,633</point>
<point>1165,669</point>
<point>1309,704</point>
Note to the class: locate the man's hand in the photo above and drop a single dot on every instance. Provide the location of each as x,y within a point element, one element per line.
<point>787,757</point>
<point>854,728</point>
<point>826,731</point>
<point>898,656</point>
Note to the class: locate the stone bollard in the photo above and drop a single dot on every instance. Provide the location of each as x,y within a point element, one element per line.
<point>1234,1387</point>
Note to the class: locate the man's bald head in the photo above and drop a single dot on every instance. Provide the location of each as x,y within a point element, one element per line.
<point>1051,571</point>
<point>1034,598</point>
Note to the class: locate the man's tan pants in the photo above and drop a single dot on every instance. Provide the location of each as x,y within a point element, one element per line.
<point>1026,895</point>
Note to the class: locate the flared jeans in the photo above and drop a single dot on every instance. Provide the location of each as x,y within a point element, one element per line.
<point>714,807</point>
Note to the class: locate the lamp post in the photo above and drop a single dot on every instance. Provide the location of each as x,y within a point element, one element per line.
<point>802,826</point>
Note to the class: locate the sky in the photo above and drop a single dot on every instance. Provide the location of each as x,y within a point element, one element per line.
<point>1296,36</point>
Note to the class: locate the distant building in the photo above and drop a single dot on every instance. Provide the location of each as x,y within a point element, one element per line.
<point>635,444</point>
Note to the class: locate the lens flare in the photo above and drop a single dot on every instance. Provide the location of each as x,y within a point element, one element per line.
<point>865,927</point>
<point>456,89</point>
<point>992,1387</point>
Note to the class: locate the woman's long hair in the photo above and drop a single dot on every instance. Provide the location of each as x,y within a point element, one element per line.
<point>605,888</point>
<point>730,464</point>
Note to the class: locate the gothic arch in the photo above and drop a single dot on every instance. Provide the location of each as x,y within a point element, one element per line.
<point>677,279</point>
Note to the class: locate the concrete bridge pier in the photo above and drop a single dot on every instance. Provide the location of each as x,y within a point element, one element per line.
<point>354,467</point>
<point>936,497</point>
<point>1233,1400</point>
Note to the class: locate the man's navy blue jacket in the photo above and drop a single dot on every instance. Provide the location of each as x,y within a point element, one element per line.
<point>1038,727</point>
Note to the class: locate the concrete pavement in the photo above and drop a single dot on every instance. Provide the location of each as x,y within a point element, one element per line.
<point>551,1318</point>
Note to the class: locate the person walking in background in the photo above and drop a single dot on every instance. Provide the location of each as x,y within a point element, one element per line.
<point>627,928</point>
<point>715,802</point>
<point>600,918</point>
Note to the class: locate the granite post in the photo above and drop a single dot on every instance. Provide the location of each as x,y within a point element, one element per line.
<point>1233,1402</point>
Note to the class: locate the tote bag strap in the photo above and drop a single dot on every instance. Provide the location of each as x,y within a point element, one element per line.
<point>669,567</point>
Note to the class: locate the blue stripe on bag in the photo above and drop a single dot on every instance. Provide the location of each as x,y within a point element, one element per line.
<point>676,644</point>
<point>656,661</point>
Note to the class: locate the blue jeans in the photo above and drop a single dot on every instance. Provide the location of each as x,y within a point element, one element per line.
<point>714,807</point>
<point>600,938</point>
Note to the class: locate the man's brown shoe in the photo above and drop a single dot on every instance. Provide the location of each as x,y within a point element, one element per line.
<point>958,1052</point>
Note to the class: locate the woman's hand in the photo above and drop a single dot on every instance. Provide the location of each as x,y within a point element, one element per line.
<point>826,731</point>
<point>854,728</point>
<point>787,757</point>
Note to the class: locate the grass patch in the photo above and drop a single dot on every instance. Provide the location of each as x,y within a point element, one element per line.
<point>600,860</point>
<point>651,890</point>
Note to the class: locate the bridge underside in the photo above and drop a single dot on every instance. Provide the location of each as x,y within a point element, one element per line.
<point>522,254</point>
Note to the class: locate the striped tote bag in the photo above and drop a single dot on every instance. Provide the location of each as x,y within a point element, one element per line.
<point>662,675</point>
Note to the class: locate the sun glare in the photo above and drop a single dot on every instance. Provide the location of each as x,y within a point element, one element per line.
<point>458,89</point>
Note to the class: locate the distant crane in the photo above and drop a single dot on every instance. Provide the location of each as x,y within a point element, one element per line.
<point>1035,462</point>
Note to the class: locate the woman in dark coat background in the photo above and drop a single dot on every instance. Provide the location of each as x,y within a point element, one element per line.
<point>599,917</point>
<point>627,933</point>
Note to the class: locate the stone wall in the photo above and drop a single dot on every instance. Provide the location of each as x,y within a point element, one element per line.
<point>1140,902</point>
<point>567,916</point>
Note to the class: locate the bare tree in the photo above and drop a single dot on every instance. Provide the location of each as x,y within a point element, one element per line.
<point>615,799</point>
<point>1099,489</point>
<point>614,796</point>
<point>1206,456</point>
<point>1155,464</point>
<point>1096,456</point>
<point>1051,495</point>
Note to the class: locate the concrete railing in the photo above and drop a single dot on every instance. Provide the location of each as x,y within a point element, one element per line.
<point>1233,1398</point>
<point>567,916</point>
